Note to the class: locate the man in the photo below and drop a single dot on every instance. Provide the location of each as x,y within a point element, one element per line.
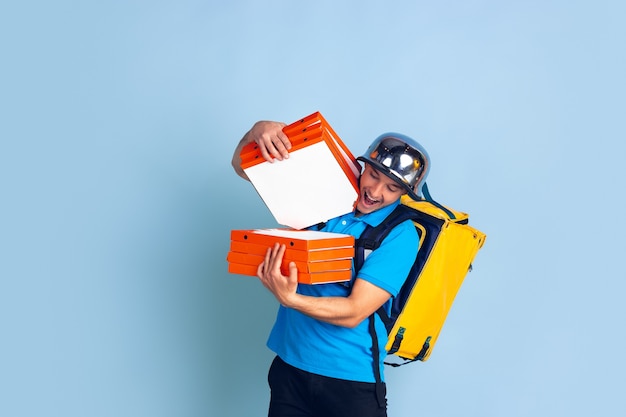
<point>324,364</point>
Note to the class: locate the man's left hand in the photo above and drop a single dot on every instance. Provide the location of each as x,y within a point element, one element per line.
<point>283,287</point>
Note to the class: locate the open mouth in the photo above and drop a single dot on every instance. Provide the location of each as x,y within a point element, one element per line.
<point>368,200</point>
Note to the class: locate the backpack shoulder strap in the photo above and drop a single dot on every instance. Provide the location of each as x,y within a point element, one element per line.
<point>372,237</point>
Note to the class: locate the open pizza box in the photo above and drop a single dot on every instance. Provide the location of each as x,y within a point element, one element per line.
<point>319,181</point>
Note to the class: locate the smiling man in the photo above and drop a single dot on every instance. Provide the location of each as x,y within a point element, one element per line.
<point>376,190</point>
<point>324,362</point>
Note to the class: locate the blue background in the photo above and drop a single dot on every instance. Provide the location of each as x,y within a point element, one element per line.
<point>117,123</point>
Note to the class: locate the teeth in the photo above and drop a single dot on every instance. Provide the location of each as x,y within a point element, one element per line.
<point>369,199</point>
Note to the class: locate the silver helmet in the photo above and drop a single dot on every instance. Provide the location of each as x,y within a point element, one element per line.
<point>400,158</point>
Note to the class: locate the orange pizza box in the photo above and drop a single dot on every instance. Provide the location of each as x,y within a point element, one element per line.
<point>303,278</point>
<point>317,182</point>
<point>305,132</point>
<point>307,267</point>
<point>251,153</point>
<point>296,255</point>
<point>305,122</point>
<point>307,125</point>
<point>293,239</point>
<point>314,120</point>
<point>252,156</point>
<point>295,129</point>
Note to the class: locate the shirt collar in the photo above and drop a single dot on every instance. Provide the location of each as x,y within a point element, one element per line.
<point>376,217</point>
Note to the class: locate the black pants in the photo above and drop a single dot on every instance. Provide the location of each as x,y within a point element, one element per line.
<point>296,393</point>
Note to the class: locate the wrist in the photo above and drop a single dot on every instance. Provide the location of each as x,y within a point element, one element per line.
<point>291,300</point>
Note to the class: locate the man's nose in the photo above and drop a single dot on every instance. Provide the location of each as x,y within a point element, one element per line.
<point>377,189</point>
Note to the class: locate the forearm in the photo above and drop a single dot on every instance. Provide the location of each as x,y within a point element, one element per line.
<point>236,161</point>
<point>364,299</point>
<point>340,311</point>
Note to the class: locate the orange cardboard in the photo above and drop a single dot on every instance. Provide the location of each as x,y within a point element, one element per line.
<point>303,278</point>
<point>308,267</point>
<point>317,182</point>
<point>294,239</point>
<point>294,254</point>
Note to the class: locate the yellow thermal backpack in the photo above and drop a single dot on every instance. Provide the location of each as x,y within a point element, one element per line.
<point>448,245</point>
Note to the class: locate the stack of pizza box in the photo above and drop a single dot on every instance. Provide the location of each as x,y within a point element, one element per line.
<point>321,257</point>
<point>317,182</point>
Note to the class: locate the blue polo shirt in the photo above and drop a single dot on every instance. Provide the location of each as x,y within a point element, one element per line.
<point>340,352</point>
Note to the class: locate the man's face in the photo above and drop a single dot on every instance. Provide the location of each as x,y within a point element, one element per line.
<point>377,190</point>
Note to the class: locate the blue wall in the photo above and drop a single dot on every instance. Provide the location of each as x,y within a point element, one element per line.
<point>117,122</point>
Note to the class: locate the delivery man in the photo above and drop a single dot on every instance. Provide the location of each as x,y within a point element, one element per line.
<point>324,361</point>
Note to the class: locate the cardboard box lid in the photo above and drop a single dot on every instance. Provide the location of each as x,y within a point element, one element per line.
<point>294,239</point>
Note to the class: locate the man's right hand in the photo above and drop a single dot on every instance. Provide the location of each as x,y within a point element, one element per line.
<point>273,143</point>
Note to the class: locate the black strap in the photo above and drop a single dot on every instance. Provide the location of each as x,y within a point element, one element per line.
<point>371,239</point>
<point>385,318</point>
<point>397,340</point>
<point>419,357</point>
<point>319,226</point>
<point>380,390</point>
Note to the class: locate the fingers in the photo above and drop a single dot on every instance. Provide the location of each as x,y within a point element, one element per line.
<point>275,147</point>
<point>272,262</point>
<point>272,141</point>
<point>293,272</point>
<point>276,257</point>
<point>269,272</point>
<point>281,147</point>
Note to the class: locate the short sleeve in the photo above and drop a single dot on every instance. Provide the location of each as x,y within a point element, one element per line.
<point>388,266</point>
